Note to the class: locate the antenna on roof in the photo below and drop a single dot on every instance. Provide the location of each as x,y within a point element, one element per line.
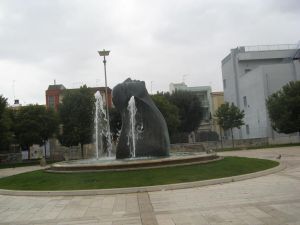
<point>183,78</point>
<point>13,86</point>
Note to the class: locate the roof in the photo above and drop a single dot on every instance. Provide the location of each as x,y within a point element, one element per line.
<point>94,89</point>
<point>260,52</point>
<point>221,93</point>
<point>56,87</point>
<point>256,48</point>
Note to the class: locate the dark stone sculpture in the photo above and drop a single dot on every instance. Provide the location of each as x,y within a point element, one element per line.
<point>153,137</point>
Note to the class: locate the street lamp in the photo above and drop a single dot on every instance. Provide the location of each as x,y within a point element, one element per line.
<point>106,53</point>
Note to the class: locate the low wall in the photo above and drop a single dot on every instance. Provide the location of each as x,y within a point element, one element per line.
<point>215,145</point>
<point>284,140</point>
<point>59,152</point>
<point>187,147</point>
<point>240,143</point>
<point>10,157</point>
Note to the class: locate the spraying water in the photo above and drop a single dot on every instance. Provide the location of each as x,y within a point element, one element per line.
<point>132,132</point>
<point>101,130</point>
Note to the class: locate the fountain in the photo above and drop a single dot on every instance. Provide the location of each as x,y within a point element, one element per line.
<point>101,131</point>
<point>132,134</point>
<point>145,126</point>
<point>143,141</point>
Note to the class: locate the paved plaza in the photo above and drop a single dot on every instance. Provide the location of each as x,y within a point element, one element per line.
<point>273,199</point>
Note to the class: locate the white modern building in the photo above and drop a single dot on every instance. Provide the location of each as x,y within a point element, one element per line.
<point>250,75</point>
<point>204,95</point>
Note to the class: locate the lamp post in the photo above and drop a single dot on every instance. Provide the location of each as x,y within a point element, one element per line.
<point>106,53</point>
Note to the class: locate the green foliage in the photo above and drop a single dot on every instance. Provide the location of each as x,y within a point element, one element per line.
<point>3,104</point>
<point>229,166</point>
<point>6,134</point>
<point>179,137</point>
<point>190,111</point>
<point>35,124</point>
<point>77,117</point>
<point>182,112</point>
<point>169,111</point>
<point>229,117</point>
<point>284,108</point>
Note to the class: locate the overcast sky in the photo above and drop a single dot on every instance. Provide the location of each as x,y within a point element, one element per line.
<point>158,41</point>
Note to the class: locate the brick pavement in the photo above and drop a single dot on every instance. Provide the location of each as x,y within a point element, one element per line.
<point>272,199</point>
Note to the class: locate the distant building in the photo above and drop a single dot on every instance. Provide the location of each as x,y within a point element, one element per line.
<point>204,95</point>
<point>250,75</point>
<point>217,99</point>
<point>54,95</point>
<point>177,86</point>
<point>16,104</point>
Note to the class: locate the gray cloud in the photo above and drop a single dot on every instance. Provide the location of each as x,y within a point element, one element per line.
<point>288,6</point>
<point>159,41</point>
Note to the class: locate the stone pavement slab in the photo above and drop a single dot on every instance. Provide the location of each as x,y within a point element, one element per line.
<point>16,170</point>
<point>273,199</point>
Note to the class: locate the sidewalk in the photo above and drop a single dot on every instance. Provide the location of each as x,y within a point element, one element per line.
<point>272,199</point>
<point>16,170</point>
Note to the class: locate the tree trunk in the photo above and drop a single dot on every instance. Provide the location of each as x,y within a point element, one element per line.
<point>81,146</point>
<point>221,136</point>
<point>232,138</point>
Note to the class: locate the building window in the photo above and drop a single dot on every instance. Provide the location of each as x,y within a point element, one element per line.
<point>247,129</point>
<point>51,101</point>
<point>245,101</point>
<point>224,83</point>
<point>205,114</point>
<point>247,70</point>
<point>201,97</point>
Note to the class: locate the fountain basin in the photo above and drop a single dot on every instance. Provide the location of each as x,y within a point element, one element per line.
<point>111,164</point>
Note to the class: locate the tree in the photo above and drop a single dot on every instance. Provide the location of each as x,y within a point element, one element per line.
<point>284,108</point>
<point>6,134</point>
<point>229,117</point>
<point>190,111</point>
<point>35,124</point>
<point>50,124</point>
<point>3,104</point>
<point>77,117</point>
<point>169,111</point>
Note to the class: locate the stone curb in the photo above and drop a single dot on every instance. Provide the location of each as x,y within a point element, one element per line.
<point>194,184</point>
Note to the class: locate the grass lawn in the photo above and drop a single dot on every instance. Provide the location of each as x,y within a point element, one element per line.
<point>41,180</point>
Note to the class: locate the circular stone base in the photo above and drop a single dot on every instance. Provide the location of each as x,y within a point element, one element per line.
<point>110,164</point>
